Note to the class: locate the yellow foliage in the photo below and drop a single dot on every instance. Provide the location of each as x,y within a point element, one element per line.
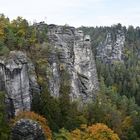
<point>33,116</point>
<point>76,134</point>
<point>102,132</point>
<point>127,123</point>
<point>98,131</point>
<point>3,24</point>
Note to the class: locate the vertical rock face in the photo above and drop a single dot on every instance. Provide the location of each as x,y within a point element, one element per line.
<point>112,49</point>
<point>72,52</point>
<point>18,79</point>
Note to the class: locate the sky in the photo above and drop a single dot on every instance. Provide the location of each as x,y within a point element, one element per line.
<point>74,12</point>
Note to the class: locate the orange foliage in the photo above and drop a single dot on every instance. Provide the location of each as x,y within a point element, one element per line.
<point>98,131</point>
<point>35,117</point>
<point>102,132</point>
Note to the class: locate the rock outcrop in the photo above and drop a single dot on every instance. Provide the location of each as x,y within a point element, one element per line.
<point>72,51</point>
<point>112,49</point>
<point>18,79</point>
<point>26,129</point>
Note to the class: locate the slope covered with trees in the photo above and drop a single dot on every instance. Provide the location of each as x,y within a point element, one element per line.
<point>124,77</point>
<point>113,115</point>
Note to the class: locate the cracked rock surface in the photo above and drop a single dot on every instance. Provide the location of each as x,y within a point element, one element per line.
<point>26,129</point>
<point>73,52</point>
<point>18,79</point>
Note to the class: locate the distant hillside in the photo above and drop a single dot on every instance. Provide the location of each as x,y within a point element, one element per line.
<point>117,51</point>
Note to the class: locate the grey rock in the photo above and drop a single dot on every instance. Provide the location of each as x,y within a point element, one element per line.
<point>18,79</point>
<point>112,50</point>
<point>26,129</point>
<point>72,51</point>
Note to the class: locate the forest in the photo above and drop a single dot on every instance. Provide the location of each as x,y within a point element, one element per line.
<point>115,112</point>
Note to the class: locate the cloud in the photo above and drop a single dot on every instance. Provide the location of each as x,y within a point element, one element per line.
<point>75,12</point>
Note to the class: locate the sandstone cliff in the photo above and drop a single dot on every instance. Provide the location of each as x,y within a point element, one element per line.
<point>74,53</point>
<point>112,48</point>
<point>71,50</point>
<point>18,79</point>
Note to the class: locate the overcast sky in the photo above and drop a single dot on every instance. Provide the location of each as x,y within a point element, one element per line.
<point>75,12</point>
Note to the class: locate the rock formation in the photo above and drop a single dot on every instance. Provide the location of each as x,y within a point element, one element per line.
<point>72,51</point>
<point>18,79</point>
<point>112,49</point>
<point>26,129</point>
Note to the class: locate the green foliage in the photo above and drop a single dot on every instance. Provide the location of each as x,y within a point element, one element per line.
<point>4,128</point>
<point>64,97</point>
<point>94,132</point>
<point>123,76</point>
<point>60,112</point>
<point>114,106</point>
<point>50,109</point>
<point>117,104</point>
<point>18,34</point>
<point>3,49</point>
<point>63,135</point>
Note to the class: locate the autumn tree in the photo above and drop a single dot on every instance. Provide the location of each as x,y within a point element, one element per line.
<point>97,131</point>
<point>3,24</point>
<point>35,117</point>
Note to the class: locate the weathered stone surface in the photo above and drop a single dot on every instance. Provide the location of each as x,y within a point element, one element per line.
<point>72,51</point>
<point>26,129</point>
<point>112,50</point>
<point>18,79</point>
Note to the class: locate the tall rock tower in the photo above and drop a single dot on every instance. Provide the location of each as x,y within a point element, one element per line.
<point>73,52</point>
